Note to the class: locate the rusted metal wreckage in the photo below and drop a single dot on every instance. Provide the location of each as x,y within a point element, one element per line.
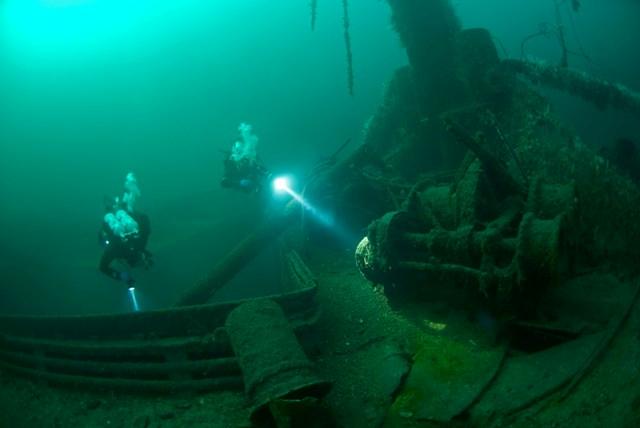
<point>185,348</point>
<point>527,219</point>
<point>453,234</point>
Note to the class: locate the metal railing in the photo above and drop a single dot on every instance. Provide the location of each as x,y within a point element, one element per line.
<point>169,350</point>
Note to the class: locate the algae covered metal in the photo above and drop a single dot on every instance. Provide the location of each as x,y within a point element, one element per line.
<point>180,349</point>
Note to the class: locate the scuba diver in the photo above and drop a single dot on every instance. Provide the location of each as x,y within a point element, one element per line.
<point>124,234</point>
<point>243,170</point>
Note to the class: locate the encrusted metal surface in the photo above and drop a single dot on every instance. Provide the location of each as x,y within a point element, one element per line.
<point>164,350</point>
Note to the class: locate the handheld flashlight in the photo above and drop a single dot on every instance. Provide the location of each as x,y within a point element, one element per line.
<point>134,300</point>
<point>282,184</point>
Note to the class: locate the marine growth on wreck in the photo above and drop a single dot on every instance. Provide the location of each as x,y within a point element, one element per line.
<point>472,261</point>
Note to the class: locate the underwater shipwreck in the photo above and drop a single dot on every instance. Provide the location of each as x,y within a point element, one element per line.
<point>496,283</point>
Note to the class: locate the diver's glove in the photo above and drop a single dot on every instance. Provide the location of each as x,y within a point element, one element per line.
<point>126,278</point>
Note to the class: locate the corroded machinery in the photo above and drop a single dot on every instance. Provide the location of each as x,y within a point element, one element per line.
<point>506,247</point>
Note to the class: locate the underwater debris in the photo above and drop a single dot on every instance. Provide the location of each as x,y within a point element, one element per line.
<point>599,92</point>
<point>506,143</point>
<point>273,363</point>
<point>239,256</point>
<point>602,345</point>
<point>346,23</point>
<point>347,44</point>
<point>529,379</point>
<point>510,260</point>
<point>558,32</point>
<point>625,155</point>
<point>562,39</point>
<point>446,378</point>
<point>497,172</point>
<point>575,5</point>
<point>313,4</point>
<point>427,30</point>
<point>159,352</point>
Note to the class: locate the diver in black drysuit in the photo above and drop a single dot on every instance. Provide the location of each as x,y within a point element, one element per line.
<point>245,175</point>
<point>132,250</point>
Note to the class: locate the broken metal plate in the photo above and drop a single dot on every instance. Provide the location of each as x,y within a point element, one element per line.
<point>525,380</point>
<point>447,376</point>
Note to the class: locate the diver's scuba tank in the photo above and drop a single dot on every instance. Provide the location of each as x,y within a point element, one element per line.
<point>119,225</point>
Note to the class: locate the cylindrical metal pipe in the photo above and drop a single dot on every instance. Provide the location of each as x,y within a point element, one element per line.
<point>238,257</point>
<point>272,362</point>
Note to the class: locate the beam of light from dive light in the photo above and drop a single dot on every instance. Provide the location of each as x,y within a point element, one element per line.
<point>134,300</point>
<point>282,184</point>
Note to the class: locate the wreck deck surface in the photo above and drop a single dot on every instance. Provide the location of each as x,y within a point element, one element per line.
<point>363,346</point>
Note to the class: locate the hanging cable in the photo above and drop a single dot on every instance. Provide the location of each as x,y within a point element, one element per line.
<point>347,44</point>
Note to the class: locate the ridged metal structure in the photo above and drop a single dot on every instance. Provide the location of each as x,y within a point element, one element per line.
<point>180,349</point>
